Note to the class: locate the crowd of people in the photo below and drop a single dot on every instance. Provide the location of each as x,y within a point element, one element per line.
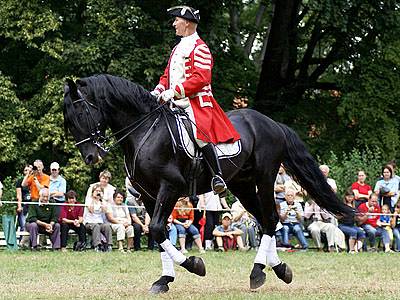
<point>377,214</point>
<point>206,221</point>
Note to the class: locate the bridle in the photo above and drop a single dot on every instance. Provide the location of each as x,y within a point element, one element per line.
<point>95,135</point>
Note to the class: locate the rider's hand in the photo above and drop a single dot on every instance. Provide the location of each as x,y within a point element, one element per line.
<point>155,93</point>
<point>167,95</point>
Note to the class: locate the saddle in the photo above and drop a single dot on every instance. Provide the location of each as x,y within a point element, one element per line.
<point>187,142</point>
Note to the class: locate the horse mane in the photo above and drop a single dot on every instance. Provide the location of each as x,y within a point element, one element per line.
<point>115,92</point>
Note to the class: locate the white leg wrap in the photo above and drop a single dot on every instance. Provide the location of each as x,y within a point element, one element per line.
<point>272,255</point>
<point>261,256</point>
<point>167,265</point>
<point>174,254</point>
<point>267,252</point>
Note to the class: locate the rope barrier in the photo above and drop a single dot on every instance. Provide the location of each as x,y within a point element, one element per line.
<point>109,205</point>
<point>181,208</point>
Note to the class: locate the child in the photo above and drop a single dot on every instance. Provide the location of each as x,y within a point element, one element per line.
<point>384,221</point>
<point>227,236</point>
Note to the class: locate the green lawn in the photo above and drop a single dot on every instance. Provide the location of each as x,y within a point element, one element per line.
<point>50,275</point>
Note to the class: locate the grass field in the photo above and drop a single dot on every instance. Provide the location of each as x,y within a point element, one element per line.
<point>49,275</point>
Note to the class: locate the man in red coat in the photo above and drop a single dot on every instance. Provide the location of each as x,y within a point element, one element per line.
<point>187,81</point>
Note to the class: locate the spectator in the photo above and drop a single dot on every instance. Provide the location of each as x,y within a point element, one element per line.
<point>360,189</point>
<point>279,186</point>
<point>140,219</point>
<point>42,219</point>
<point>395,222</point>
<point>347,225</point>
<point>227,236</point>
<point>392,164</point>
<point>212,204</point>
<point>171,229</point>
<point>332,183</point>
<point>183,216</point>
<point>23,195</point>
<point>71,218</point>
<point>320,223</point>
<point>105,178</point>
<point>300,192</point>
<point>246,223</point>
<point>369,222</point>
<point>58,185</point>
<point>291,216</point>
<point>93,218</point>
<point>121,222</point>
<point>387,188</point>
<point>36,180</point>
<point>385,220</point>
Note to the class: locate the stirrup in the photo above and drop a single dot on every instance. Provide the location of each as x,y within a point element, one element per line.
<point>218,185</point>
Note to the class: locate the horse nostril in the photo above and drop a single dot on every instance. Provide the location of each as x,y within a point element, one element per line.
<point>89,159</point>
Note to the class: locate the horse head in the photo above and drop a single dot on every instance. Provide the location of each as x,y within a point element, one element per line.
<point>85,121</point>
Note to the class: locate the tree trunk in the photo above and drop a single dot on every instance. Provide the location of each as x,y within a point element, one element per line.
<point>278,68</point>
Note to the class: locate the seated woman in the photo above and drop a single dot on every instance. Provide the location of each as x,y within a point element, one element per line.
<point>120,220</point>
<point>183,216</point>
<point>347,225</point>
<point>387,188</point>
<point>71,217</point>
<point>93,218</point>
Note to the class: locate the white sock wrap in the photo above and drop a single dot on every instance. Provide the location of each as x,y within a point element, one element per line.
<point>167,265</point>
<point>173,253</point>
<point>272,255</point>
<point>261,256</point>
<point>267,252</point>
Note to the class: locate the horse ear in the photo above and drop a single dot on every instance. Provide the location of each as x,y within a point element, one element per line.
<point>73,90</point>
<point>81,82</point>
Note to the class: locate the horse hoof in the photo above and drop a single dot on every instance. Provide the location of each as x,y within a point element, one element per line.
<point>257,278</point>
<point>159,288</point>
<point>161,285</point>
<point>283,272</point>
<point>195,265</point>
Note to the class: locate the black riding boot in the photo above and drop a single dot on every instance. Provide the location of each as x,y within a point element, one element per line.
<point>217,183</point>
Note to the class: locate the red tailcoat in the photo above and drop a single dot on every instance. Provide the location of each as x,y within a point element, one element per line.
<point>189,73</point>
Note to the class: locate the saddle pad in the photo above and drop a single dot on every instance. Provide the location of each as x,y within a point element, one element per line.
<point>223,150</point>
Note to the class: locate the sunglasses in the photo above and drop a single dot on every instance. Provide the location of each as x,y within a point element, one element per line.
<point>54,170</point>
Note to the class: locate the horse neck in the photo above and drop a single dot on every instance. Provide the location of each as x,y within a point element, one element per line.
<point>139,126</point>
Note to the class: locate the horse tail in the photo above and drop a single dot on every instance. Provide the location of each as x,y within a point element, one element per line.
<point>305,170</point>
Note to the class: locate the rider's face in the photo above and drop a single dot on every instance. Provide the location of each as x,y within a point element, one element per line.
<point>180,25</point>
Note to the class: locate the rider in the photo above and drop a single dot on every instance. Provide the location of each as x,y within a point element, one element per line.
<point>187,81</point>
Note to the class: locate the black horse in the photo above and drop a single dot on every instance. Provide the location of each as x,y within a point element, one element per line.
<point>159,169</point>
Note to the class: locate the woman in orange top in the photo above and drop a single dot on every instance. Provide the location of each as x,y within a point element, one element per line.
<point>183,216</point>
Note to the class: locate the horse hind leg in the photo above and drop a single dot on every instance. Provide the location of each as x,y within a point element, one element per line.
<point>267,253</point>
<point>261,204</point>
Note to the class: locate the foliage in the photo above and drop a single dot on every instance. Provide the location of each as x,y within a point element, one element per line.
<point>344,167</point>
<point>9,194</point>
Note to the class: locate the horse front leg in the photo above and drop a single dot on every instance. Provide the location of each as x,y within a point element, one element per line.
<point>166,200</point>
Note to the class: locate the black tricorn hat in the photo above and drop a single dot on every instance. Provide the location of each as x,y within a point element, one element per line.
<point>185,12</point>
